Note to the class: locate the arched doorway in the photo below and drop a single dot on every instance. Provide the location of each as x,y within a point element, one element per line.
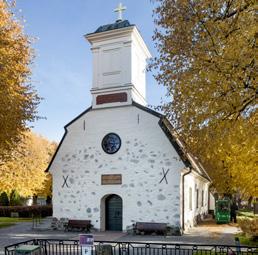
<point>114,213</point>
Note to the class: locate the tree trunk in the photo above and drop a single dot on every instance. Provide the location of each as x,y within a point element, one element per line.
<point>239,200</point>
<point>250,203</point>
<point>34,200</point>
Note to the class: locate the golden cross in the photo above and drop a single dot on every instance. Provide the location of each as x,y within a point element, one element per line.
<point>120,8</point>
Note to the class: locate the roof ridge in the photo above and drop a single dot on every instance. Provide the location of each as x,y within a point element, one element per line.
<point>118,24</point>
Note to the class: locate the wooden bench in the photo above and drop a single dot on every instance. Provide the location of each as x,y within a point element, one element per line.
<point>150,228</point>
<point>78,224</point>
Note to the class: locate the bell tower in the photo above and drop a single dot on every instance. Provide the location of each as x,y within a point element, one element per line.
<point>119,64</point>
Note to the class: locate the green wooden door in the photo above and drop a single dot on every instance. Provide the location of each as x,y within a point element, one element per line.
<point>114,213</point>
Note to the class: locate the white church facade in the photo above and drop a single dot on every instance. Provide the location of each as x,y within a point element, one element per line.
<point>118,162</point>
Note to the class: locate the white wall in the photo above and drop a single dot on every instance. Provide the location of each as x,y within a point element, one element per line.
<point>211,202</point>
<point>145,151</point>
<point>195,182</point>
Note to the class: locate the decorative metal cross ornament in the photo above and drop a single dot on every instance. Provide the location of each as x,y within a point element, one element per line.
<point>120,8</point>
<point>164,176</point>
<point>65,181</point>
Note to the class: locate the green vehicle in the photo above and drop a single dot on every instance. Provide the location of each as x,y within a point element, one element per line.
<point>222,211</point>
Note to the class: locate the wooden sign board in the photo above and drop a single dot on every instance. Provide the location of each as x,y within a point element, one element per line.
<point>111,98</point>
<point>111,179</point>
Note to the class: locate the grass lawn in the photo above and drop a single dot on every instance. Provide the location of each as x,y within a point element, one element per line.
<point>209,252</point>
<point>246,213</point>
<point>251,217</point>
<point>245,240</point>
<point>8,221</point>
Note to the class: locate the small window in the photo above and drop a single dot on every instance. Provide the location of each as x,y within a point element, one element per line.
<point>202,197</point>
<point>197,198</point>
<point>190,199</point>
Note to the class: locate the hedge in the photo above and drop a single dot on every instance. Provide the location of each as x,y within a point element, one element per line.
<point>26,211</point>
<point>249,226</point>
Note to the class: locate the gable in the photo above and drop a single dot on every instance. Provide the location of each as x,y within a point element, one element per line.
<point>65,134</point>
<point>166,131</point>
<point>166,127</point>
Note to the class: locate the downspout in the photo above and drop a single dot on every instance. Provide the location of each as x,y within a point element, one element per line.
<point>183,198</point>
<point>209,196</point>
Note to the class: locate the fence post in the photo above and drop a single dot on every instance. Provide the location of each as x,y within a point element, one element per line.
<point>238,246</point>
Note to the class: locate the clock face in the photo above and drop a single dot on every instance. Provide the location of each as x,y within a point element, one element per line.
<point>111,143</point>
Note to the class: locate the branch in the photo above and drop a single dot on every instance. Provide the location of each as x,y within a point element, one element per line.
<point>244,106</point>
<point>238,111</point>
<point>233,12</point>
<point>204,26</point>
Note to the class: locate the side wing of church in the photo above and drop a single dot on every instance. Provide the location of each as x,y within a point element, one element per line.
<point>118,162</point>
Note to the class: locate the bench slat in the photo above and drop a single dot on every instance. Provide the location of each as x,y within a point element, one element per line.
<point>150,227</point>
<point>81,224</point>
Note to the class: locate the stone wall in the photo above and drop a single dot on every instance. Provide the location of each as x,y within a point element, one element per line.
<point>144,156</point>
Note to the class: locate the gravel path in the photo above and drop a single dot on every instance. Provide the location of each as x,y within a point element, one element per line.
<point>206,233</point>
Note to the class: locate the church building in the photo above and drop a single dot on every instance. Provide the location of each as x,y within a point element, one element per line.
<point>119,162</point>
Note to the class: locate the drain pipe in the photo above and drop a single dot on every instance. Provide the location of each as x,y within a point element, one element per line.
<point>183,197</point>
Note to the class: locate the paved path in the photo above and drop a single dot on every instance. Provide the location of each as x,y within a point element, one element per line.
<point>214,233</point>
<point>23,231</point>
<point>206,233</point>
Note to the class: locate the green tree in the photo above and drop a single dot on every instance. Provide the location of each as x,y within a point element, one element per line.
<point>18,99</point>
<point>15,198</point>
<point>207,62</point>
<point>4,200</point>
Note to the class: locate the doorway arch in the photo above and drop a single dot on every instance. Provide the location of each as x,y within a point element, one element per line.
<point>112,206</point>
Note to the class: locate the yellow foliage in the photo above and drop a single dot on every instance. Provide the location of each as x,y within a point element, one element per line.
<point>25,172</point>
<point>207,62</point>
<point>18,100</point>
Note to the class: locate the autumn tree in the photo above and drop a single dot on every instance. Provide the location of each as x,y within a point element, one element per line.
<point>207,63</point>
<point>18,99</point>
<point>25,172</point>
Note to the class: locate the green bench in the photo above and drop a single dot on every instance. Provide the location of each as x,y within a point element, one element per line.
<point>27,249</point>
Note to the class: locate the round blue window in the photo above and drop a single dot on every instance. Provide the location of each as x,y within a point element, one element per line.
<point>111,143</point>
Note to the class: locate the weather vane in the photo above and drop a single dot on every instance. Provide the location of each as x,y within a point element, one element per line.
<point>120,10</point>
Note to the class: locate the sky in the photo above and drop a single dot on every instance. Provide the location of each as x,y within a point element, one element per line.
<point>62,68</point>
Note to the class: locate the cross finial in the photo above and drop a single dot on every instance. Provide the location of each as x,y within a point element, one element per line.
<point>120,8</point>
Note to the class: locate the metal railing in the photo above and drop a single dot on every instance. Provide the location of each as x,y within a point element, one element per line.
<point>72,247</point>
<point>36,220</point>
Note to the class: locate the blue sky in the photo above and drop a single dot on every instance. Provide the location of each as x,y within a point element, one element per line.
<point>62,69</point>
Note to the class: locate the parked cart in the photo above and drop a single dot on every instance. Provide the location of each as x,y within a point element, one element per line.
<point>222,211</point>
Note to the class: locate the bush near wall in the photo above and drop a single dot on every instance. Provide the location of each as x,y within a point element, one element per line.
<point>249,226</point>
<point>26,211</point>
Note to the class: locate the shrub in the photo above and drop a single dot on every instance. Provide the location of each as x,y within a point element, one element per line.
<point>26,211</point>
<point>4,200</point>
<point>249,226</point>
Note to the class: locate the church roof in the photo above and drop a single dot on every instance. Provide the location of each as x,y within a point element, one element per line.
<point>118,24</point>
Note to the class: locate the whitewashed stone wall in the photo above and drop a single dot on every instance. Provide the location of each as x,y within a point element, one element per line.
<point>144,152</point>
<point>195,182</point>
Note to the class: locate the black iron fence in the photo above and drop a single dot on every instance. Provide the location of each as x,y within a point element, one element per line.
<point>72,247</point>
